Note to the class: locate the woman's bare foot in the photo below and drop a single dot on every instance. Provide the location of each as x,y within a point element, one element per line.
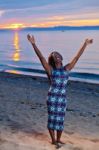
<point>57,145</point>
<point>54,142</point>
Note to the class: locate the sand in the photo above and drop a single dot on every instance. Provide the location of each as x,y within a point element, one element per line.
<point>23,114</point>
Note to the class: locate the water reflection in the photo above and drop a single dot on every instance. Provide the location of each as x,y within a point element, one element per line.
<point>16,56</point>
<point>13,71</point>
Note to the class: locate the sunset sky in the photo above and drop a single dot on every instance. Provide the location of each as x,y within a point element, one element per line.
<point>45,13</point>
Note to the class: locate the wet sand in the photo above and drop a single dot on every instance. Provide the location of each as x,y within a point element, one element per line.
<point>23,114</point>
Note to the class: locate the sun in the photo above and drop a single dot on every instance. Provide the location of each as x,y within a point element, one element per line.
<point>15,26</point>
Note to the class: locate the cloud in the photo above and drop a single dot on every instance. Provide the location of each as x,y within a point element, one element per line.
<point>48,11</point>
<point>1,12</point>
<point>51,10</point>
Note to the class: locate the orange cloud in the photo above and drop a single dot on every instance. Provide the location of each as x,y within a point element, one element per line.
<point>84,22</point>
<point>67,23</point>
<point>61,21</point>
<point>46,24</point>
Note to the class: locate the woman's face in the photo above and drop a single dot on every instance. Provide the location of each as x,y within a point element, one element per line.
<point>57,57</point>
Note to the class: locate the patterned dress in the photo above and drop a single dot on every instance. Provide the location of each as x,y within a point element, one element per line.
<point>56,100</point>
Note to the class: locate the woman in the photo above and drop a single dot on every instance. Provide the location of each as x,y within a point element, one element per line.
<point>58,75</point>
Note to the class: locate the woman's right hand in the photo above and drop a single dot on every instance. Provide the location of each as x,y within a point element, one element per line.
<point>88,41</point>
<point>31,39</point>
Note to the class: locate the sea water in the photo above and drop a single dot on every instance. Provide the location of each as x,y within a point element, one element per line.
<point>18,56</point>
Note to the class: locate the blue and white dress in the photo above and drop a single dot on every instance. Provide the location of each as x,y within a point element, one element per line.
<point>56,100</point>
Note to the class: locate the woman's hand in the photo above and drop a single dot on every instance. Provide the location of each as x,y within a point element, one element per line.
<point>88,41</point>
<point>81,50</point>
<point>31,39</point>
<point>40,55</point>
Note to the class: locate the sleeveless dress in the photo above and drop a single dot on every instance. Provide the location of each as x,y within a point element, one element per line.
<point>56,99</point>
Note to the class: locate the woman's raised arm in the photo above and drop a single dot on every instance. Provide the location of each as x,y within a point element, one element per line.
<point>71,65</point>
<point>39,54</point>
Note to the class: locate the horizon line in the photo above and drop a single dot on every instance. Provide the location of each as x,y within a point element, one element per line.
<point>51,27</point>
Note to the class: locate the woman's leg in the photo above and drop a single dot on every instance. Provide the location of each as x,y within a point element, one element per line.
<point>52,134</point>
<point>59,134</point>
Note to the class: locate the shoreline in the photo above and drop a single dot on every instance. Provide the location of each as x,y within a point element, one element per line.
<point>23,114</point>
<point>74,76</point>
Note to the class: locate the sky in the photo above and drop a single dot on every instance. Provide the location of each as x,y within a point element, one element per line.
<point>46,13</point>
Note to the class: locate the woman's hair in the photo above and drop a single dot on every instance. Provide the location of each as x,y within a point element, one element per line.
<point>51,61</point>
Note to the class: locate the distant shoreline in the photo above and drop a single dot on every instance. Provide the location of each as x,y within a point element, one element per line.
<point>55,28</point>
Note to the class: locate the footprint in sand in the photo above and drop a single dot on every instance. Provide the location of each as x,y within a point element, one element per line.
<point>2,141</point>
<point>95,140</point>
<point>70,147</point>
<point>77,148</point>
<point>69,132</point>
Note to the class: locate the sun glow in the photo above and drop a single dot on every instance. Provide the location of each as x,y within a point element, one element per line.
<point>16,26</point>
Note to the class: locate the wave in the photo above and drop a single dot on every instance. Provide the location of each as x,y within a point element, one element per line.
<point>16,68</point>
<point>85,75</point>
<point>90,77</point>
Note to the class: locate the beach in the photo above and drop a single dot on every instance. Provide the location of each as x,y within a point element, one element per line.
<point>23,114</point>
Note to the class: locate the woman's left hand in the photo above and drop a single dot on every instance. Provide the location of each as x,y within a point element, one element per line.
<point>88,41</point>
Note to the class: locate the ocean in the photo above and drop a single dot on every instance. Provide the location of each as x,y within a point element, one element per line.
<point>17,55</point>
